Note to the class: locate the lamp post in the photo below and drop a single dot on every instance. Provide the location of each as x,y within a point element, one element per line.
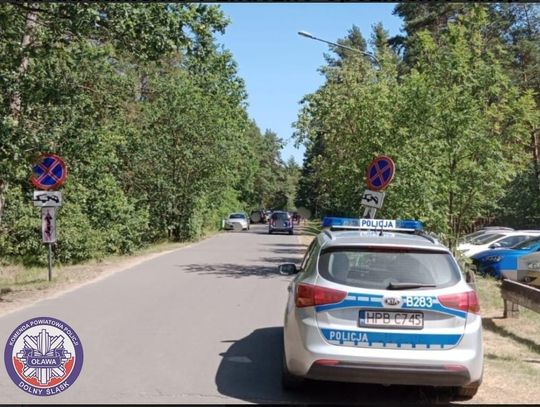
<point>311,36</point>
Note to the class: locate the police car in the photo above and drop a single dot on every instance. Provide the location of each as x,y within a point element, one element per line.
<point>379,301</point>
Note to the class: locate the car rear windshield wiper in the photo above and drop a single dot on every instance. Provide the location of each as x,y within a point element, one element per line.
<point>407,286</point>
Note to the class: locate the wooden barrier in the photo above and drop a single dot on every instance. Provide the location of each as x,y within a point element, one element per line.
<point>514,294</point>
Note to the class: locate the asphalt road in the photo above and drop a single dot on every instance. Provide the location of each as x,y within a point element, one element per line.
<point>202,324</point>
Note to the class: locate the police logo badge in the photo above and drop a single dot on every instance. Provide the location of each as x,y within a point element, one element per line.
<point>43,356</point>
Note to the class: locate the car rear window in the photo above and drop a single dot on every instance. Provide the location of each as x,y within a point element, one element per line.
<point>280,216</point>
<point>237,216</point>
<point>378,267</point>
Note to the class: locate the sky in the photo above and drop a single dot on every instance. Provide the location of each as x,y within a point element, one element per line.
<point>279,66</point>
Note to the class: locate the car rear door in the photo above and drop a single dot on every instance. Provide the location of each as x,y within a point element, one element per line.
<point>374,314</point>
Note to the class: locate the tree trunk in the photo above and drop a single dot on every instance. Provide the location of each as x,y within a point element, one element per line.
<point>3,189</point>
<point>536,159</point>
<point>15,102</point>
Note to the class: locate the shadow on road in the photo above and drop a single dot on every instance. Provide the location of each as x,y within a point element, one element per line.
<point>292,250</point>
<point>288,245</point>
<point>281,260</point>
<point>490,325</point>
<point>233,270</point>
<point>250,370</point>
<point>276,254</point>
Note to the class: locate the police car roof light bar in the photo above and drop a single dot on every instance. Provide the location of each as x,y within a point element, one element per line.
<point>395,225</point>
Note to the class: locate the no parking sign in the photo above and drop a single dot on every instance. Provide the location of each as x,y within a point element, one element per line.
<point>380,173</point>
<point>49,172</point>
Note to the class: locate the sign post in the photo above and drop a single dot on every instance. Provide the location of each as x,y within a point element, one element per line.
<point>48,173</point>
<point>48,231</point>
<point>379,174</point>
<point>49,262</point>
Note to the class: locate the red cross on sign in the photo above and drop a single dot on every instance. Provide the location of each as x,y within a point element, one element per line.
<point>380,173</point>
<point>48,172</point>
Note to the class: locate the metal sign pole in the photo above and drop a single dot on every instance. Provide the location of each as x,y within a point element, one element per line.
<point>48,230</point>
<point>50,261</point>
<point>369,213</point>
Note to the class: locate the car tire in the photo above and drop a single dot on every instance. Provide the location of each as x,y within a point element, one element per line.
<point>466,392</point>
<point>288,380</point>
<point>290,232</point>
<point>269,232</point>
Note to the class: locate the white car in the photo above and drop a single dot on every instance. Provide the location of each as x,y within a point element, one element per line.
<point>238,218</point>
<point>500,238</point>
<point>484,231</point>
<point>381,306</point>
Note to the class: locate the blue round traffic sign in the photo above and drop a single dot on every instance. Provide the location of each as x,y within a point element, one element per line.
<point>380,173</point>
<point>48,172</point>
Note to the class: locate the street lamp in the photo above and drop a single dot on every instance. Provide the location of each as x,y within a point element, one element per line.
<point>308,35</point>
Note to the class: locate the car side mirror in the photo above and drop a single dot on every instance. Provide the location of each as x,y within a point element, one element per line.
<point>494,245</point>
<point>288,269</point>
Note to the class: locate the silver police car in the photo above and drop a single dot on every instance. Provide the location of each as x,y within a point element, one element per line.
<point>387,305</point>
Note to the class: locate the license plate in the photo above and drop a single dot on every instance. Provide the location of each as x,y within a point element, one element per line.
<point>391,319</point>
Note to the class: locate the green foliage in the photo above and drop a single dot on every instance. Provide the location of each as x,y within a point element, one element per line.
<point>20,231</point>
<point>148,114</point>
<point>520,206</point>
<point>454,123</point>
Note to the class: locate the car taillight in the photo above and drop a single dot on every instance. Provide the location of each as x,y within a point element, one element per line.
<point>467,301</point>
<point>308,295</point>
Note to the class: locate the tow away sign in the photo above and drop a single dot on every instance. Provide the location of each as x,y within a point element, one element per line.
<point>47,198</point>
<point>372,199</point>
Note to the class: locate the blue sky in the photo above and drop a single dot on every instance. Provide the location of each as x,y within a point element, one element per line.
<point>279,66</point>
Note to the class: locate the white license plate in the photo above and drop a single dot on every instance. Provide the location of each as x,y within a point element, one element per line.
<point>391,319</point>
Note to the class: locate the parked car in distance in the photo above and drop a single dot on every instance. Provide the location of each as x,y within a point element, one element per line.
<point>532,278</point>
<point>501,263</point>
<point>280,221</point>
<point>484,231</point>
<point>528,270</point>
<point>502,239</point>
<point>239,218</point>
<point>258,216</point>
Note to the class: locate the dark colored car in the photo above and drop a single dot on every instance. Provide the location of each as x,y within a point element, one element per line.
<point>281,221</point>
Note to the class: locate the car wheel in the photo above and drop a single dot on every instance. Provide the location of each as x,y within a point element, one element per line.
<point>290,232</point>
<point>466,392</point>
<point>269,232</point>
<point>489,272</point>
<point>288,380</point>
